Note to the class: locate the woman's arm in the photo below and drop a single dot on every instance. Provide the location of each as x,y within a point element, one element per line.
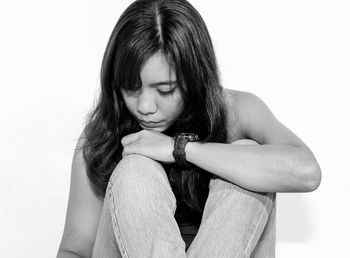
<point>282,163</point>
<point>83,212</point>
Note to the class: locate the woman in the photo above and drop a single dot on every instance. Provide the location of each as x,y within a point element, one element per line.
<point>168,154</point>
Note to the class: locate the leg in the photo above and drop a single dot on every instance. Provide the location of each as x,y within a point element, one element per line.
<point>142,207</point>
<point>105,244</point>
<point>266,244</point>
<point>233,221</point>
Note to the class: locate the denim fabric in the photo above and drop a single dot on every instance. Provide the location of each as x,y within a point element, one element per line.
<point>137,218</point>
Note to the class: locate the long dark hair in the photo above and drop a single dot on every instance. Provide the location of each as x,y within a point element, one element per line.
<point>175,28</point>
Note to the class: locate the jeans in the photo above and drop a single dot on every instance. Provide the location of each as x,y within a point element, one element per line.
<point>137,218</point>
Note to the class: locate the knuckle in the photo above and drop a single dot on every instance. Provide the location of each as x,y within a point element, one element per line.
<point>245,142</point>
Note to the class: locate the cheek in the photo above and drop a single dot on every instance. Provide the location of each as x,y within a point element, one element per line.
<point>180,106</point>
<point>129,103</point>
<point>176,108</point>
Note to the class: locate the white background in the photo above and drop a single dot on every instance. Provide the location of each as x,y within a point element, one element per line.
<point>295,55</point>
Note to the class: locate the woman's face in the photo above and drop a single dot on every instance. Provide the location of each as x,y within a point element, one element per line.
<point>158,102</point>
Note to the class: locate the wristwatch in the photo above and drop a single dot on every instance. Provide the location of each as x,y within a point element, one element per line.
<point>180,141</point>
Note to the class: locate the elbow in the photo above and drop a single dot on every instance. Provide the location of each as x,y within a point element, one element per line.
<point>310,178</point>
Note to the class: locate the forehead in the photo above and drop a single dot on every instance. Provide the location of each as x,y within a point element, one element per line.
<point>157,68</point>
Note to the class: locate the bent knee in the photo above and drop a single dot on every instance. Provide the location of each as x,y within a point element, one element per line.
<point>135,168</point>
<point>240,194</point>
<point>245,142</point>
<point>139,179</point>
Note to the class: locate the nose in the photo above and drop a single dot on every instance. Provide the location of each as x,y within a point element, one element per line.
<point>146,104</point>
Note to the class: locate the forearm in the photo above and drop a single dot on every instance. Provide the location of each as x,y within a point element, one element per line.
<point>262,168</point>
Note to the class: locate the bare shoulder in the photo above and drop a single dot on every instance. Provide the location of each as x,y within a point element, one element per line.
<point>256,121</point>
<point>243,103</point>
<point>252,111</point>
<point>231,97</point>
<point>248,112</point>
<point>238,100</point>
<point>241,99</point>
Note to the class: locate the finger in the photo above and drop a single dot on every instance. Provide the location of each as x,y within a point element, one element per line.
<point>124,154</point>
<point>127,139</point>
<point>129,149</point>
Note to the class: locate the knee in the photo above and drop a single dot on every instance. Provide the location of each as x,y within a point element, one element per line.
<point>242,196</point>
<point>135,167</point>
<point>245,142</point>
<point>139,180</point>
<point>138,175</point>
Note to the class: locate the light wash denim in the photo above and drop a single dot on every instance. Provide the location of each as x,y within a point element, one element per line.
<point>137,218</point>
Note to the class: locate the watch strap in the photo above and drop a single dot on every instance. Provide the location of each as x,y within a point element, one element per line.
<point>180,141</point>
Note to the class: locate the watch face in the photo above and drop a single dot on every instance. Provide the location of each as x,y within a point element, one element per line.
<point>191,137</point>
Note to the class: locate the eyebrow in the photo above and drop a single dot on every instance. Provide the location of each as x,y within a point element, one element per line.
<point>163,83</point>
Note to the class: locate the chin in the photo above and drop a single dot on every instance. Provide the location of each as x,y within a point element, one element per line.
<point>156,129</point>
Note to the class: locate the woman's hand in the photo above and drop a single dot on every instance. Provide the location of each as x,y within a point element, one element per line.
<point>152,144</point>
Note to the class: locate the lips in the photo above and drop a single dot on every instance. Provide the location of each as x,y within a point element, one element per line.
<point>150,124</point>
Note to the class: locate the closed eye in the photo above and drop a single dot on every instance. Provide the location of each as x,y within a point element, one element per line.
<point>166,92</point>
